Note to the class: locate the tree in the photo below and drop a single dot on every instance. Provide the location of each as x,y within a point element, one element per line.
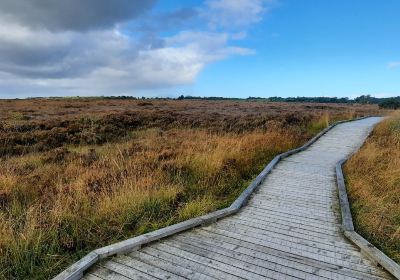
<point>390,104</point>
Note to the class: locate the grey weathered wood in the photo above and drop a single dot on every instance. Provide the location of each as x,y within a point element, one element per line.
<point>211,259</point>
<point>290,227</point>
<point>197,270</point>
<point>107,274</point>
<point>245,263</point>
<point>344,201</point>
<point>142,266</point>
<point>275,256</point>
<point>284,268</point>
<point>92,277</point>
<point>190,261</point>
<point>242,199</point>
<point>167,265</point>
<point>374,253</point>
<point>119,270</point>
<point>75,271</point>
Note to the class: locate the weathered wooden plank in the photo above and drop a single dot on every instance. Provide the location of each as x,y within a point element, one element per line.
<point>375,254</point>
<point>301,205</point>
<point>231,252</point>
<point>347,220</point>
<point>191,269</point>
<point>76,270</point>
<point>326,250</point>
<point>128,272</point>
<point>315,254</point>
<point>226,263</point>
<point>315,211</point>
<point>291,259</point>
<point>307,216</point>
<point>106,274</point>
<point>280,170</point>
<point>292,232</point>
<point>294,188</point>
<point>141,266</point>
<point>192,261</point>
<point>281,266</point>
<point>289,198</point>
<point>92,277</point>
<point>291,225</point>
<point>287,219</point>
<point>166,265</point>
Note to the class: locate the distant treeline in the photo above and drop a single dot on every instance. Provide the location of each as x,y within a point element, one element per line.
<point>386,103</point>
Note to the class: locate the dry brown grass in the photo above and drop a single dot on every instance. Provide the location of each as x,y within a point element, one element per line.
<point>373,177</point>
<point>69,184</point>
<point>66,109</point>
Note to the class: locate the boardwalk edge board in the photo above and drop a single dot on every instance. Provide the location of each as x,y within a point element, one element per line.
<point>76,270</point>
<point>367,248</point>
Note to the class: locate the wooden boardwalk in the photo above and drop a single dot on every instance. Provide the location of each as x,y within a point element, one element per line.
<point>290,229</point>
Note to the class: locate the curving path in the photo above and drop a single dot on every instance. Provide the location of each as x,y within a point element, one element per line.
<point>290,228</point>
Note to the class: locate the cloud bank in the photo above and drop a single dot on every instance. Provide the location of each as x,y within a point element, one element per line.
<point>72,14</point>
<point>55,47</point>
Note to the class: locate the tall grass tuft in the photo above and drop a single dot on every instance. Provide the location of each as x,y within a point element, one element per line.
<point>373,177</point>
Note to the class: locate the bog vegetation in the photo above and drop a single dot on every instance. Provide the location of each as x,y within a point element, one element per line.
<point>80,174</point>
<point>373,177</point>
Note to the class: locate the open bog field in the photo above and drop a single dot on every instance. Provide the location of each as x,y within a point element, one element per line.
<point>77,174</point>
<point>373,176</point>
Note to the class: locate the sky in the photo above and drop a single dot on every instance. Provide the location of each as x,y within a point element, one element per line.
<point>230,48</point>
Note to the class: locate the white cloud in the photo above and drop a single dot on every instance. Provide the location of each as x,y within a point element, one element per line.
<point>393,64</point>
<point>234,13</point>
<point>107,62</point>
<point>104,61</point>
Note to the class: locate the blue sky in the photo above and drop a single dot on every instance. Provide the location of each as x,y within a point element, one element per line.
<point>313,48</point>
<point>232,48</point>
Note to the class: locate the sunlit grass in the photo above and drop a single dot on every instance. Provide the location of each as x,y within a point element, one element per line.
<point>57,204</point>
<point>373,177</point>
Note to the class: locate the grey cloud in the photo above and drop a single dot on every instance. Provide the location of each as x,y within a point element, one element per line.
<point>148,29</point>
<point>77,48</point>
<point>234,13</point>
<point>122,67</point>
<point>183,18</point>
<point>178,17</point>
<point>77,15</point>
<point>42,54</point>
